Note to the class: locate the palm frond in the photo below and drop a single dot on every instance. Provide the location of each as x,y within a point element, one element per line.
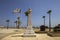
<point>49,11</point>
<point>26,13</point>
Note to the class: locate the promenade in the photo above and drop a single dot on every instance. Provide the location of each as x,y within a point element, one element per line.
<point>15,34</point>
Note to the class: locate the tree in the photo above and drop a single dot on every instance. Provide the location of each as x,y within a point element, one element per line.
<point>44,19</point>
<point>57,28</point>
<point>7,23</point>
<point>17,10</point>
<point>46,26</point>
<point>49,12</point>
<point>16,23</point>
<point>28,14</point>
<point>42,28</point>
<point>59,25</point>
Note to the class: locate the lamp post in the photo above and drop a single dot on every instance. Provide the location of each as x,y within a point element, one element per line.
<point>49,12</point>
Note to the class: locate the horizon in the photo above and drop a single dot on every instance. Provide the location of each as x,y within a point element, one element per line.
<point>39,9</point>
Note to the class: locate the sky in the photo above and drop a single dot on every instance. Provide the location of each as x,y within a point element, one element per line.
<point>39,9</point>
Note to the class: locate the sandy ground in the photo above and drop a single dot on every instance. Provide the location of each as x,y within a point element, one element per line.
<point>38,37</point>
<point>6,34</point>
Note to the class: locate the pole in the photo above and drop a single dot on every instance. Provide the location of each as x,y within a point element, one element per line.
<point>44,21</point>
<point>49,22</point>
<point>18,22</point>
<point>7,23</point>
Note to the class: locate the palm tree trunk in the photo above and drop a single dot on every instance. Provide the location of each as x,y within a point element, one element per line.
<point>49,22</point>
<point>44,21</point>
<point>18,23</point>
<point>7,25</point>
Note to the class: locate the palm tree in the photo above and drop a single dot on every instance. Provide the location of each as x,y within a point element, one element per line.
<point>44,19</point>
<point>7,23</point>
<point>16,23</point>
<point>49,12</point>
<point>27,13</point>
<point>17,10</point>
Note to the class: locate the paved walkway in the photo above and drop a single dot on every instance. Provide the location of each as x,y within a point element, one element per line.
<point>8,35</point>
<point>38,37</point>
<point>7,32</point>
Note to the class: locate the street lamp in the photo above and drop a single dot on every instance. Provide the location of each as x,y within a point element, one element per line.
<point>49,12</point>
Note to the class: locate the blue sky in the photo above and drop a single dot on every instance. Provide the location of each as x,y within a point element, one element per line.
<point>39,9</point>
